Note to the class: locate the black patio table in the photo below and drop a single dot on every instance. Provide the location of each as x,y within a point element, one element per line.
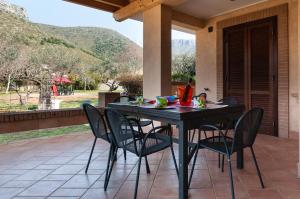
<point>185,118</point>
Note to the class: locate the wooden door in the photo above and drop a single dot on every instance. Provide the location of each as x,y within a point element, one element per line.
<point>235,71</point>
<point>250,64</point>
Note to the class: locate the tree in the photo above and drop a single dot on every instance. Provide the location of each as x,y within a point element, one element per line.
<point>46,61</point>
<point>183,67</point>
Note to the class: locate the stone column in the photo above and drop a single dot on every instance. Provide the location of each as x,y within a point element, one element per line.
<point>157,51</point>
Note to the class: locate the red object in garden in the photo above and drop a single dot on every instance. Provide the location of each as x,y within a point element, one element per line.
<point>61,80</point>
<point>54,90</point>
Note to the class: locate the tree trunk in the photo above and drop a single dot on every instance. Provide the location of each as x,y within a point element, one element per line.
<point>28,92</point>
<point>8,84</point>
<point>20,97</point>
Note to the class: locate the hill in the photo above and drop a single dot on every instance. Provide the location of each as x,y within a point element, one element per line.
<point>87,55</point>
<point>182,46</point>
<point>101,41</point>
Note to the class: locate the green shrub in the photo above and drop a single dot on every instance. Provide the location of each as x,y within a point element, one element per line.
<point>32,107</point>
<point>182,77</point>
<point>183,68</point>
<point>132,84</point>
<point>53,40</point>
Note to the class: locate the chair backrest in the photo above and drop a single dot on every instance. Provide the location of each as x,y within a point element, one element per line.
<point>120,127</point>
<point>96,121</point>
<point>124,99</point>
<point>200,95</point>
<point>246,129</point>
<point>229,101</point>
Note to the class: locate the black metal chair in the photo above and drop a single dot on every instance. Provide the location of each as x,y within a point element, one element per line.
<point>222,125</point>
<point>245,132</point>
<point>128,98</point>
<point>124,99</point>
<point>227,125</point>
<point>229,101</point>
<point>98,126</point>
<point>136,142</point>
<point>200,95</point>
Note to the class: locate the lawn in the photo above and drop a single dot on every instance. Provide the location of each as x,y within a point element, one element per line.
<point>11,137</point>
<point>10,101</point>
<point>77,103</point>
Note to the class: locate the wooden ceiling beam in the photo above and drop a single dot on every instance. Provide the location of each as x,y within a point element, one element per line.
<point>116,3</point>
<point>178,18</point>
<point>187,21</point>
<point>134,8</point>
<point>95,4</point>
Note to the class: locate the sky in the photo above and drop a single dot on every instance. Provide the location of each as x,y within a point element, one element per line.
<point>61,13</point>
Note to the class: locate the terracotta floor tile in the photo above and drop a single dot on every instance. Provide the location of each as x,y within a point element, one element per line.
<point>7,193</point>
<point>127,190</point>
<point>34,175</point>
<point>18,184</point>
<point>21,197</point>
<point>56,167</point>
<point>100,194</point>
<point>264,194</point>
<point>68,169</point>
<point>42,188</point>
<point>6,178</point>
<point>81,181</point>
<point>69,192</point>
<point>57,177</point>
<point>201,194</point>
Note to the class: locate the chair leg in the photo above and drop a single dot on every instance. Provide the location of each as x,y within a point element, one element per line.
<point>125,155</point>
<point>113,154</point>
<point>174,159</point>
<point>91,154</point>
<point>193,135</point>
<point>219,160</point>
<point>137,178</point>
<point>231,177</point>
<point>223,159</point>
<point>193,167</point>
<point>147,165</point>
<point>152,123</point>
<point>108,164</point>
<point>257,168</point>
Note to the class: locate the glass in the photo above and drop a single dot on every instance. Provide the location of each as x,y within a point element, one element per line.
<point>181,92</point>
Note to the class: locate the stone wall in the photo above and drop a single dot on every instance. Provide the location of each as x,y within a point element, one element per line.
<point>33,120</point>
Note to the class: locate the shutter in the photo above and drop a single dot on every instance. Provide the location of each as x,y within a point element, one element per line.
<point>235,62</point>
<point>261,72</point>
<point>250,66</point>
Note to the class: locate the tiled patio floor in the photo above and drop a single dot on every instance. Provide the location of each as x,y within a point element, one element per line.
<point>54,168</point>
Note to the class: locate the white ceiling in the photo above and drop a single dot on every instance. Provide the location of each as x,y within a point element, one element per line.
<point>210,8</point>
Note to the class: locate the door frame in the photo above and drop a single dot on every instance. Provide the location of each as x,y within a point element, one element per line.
<point>247,67</point>
<point>282,13</point>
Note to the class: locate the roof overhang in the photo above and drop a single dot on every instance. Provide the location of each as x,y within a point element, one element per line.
<point>187,14</point>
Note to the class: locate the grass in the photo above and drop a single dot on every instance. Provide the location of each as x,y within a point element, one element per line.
<point>77,103</point>
<point>87,91</point>
<point>4,106</point>
<point>11,137</point>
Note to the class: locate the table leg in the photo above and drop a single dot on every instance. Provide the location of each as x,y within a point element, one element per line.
<point>240,159</point>
<point>183,161</point>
